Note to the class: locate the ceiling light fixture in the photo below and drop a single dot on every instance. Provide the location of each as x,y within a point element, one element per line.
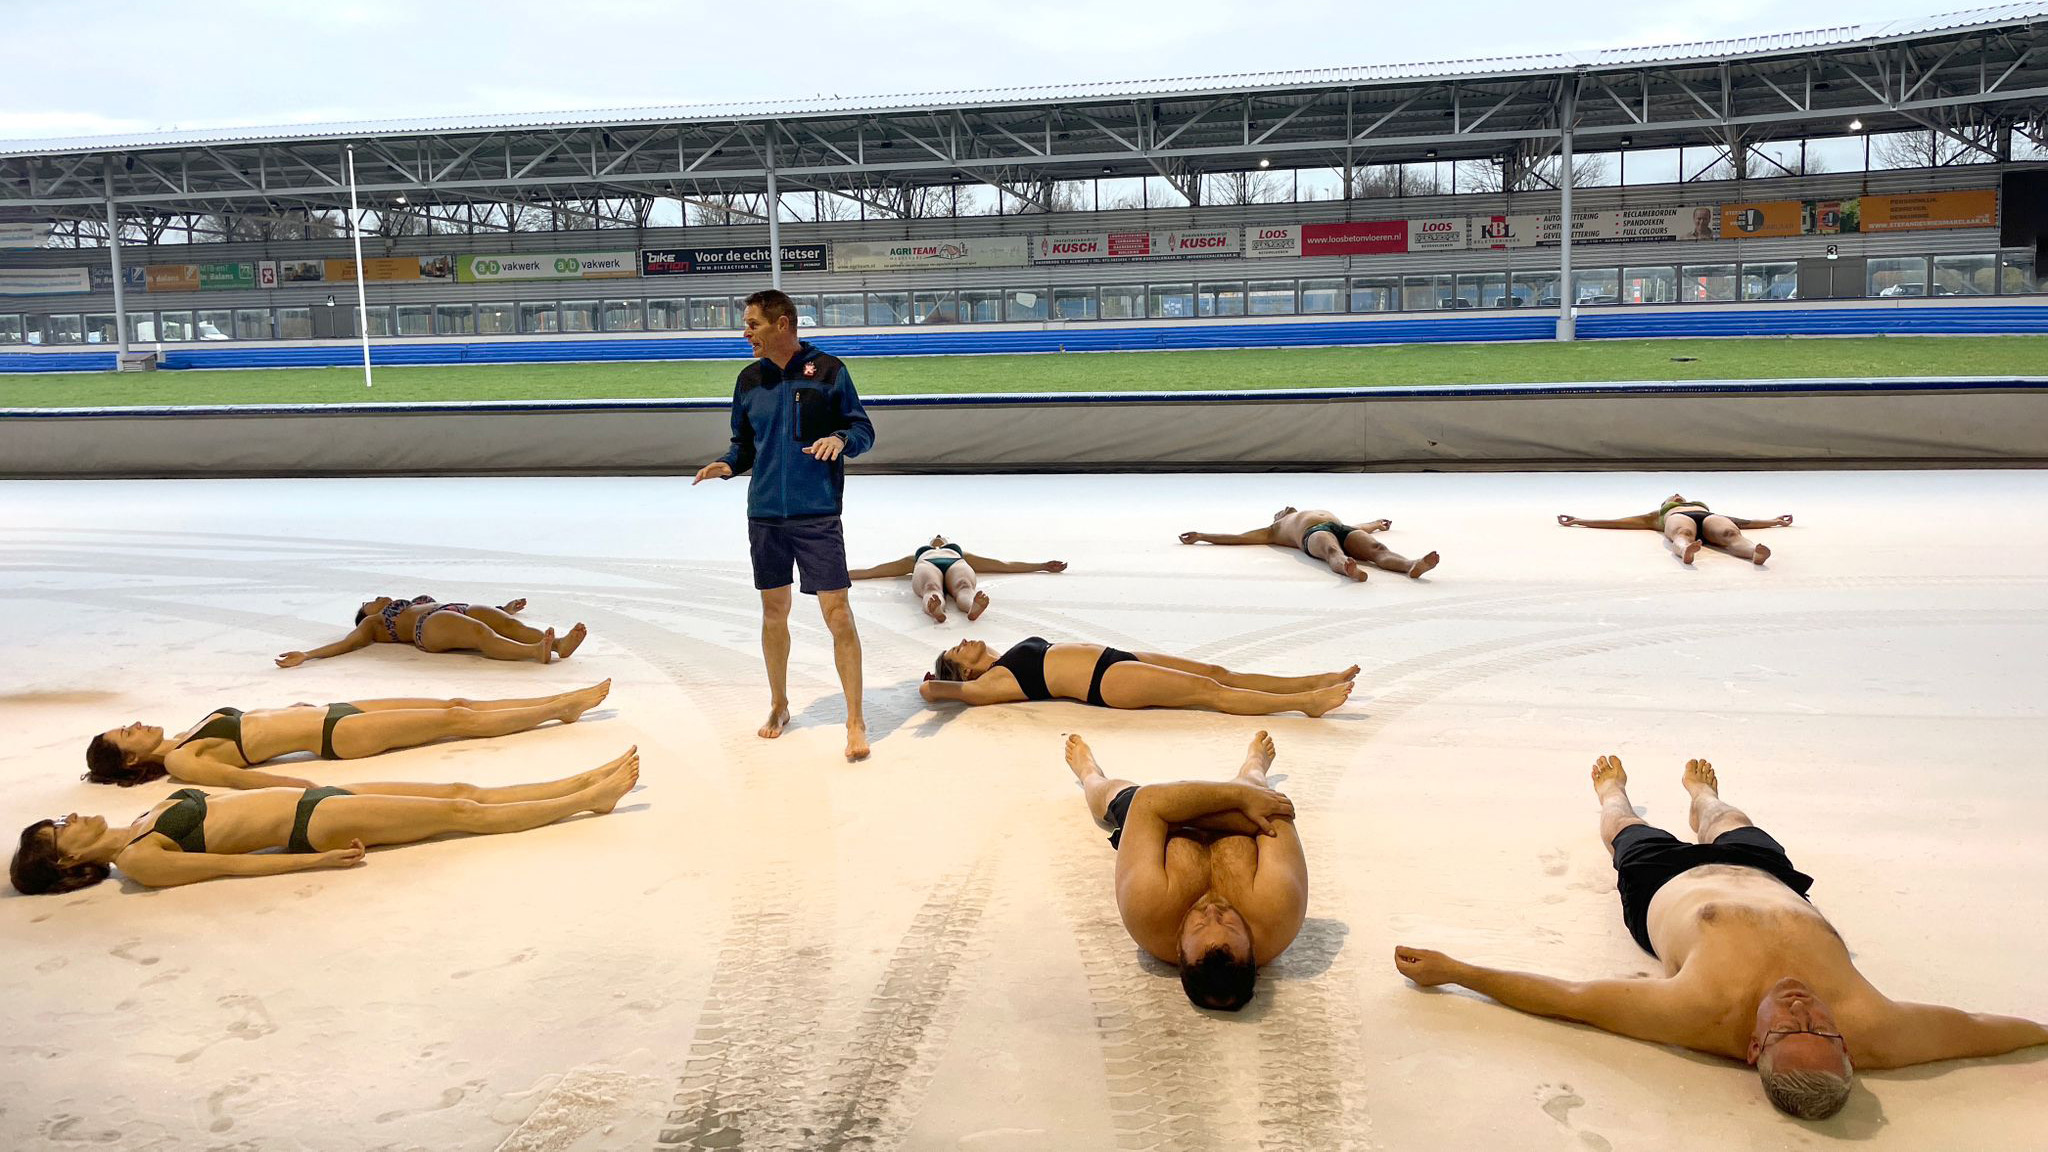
<point>1264,163</point>
<point>1855,125</point>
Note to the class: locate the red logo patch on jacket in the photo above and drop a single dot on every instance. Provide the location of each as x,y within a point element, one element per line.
<point>811,371</point>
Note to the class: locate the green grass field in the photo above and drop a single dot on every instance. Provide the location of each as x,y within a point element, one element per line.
<point>1408,365</point>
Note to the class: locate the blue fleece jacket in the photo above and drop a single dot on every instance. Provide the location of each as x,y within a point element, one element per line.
<point>778,411</point>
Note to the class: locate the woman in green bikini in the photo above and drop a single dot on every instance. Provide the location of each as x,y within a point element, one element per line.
<point>191,836</point>
<point>942,569</point>
<point>1686,524</point>
<point>222,750</point>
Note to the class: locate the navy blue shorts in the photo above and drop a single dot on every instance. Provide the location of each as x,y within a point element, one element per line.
<point>814,545</point>
<point>1647,858</point>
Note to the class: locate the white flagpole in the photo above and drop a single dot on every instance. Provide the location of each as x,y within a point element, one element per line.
<point>355,227</point>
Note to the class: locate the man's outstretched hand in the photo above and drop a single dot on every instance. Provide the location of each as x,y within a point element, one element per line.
<point>716,470</point>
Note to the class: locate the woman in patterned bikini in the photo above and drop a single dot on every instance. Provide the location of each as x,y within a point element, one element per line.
<point>1686,524</point>
<point>191,836</point>
<point>222,750</point>
<point>1349,551</point>
<point>942,569</point>
<point>431,626</point>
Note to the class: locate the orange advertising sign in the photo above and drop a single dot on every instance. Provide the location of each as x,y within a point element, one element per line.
<point>172,278</point>
<point>376,268</point>
<point>1971,208</point>
<point>1767,218</point>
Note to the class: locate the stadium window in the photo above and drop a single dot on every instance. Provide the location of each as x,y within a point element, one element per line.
<point>99,328</point>
<point>1894,276</point>
<point>935,308</point>
<point>981,307</point>
<point>889,308</point>
<point>1596,286</point>
<point>1703,282</point>
<point>62,330</point>
<point>1484,290</point>
<point>623,316</point>
<point>713,314</point>
<point>1965,275</point>
<point>1219,299</point>
<point>2016,275</point>
<point>1122,301</point>
<point>216,324</point>
<point>1321,296</point>
<point>841,310</point>
<point>1073,304</point>
<point>806,311</point>
<point>415,319</point>
<point>10,328</point>
<point>297,323</point>
<point>579,315</point>
<point>1421,293</point>
<point>1779,281</point>
<point>252,323</point>
<point>496,319</point>
<point>454,320</point>
<point>141,328</point>
<point>1534,289</point>
<point>1658,285</point>
<point>1271,297</point>
<point>174,327</point>
<point>1171,301</point>
<point>537,317</point>
<point>666,314</point>
<point>1026,304</point>
<point>1379,295</point>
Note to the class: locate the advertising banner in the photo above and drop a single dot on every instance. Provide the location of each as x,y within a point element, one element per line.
<point>376,269</point>
<point>25,233</point>
<point>1971,208</point>
<point>1178,244</point>
<point>1357,238</point>
<point>301,271</point>
<point>132,278</point>
<point>226,277</point>
<point>1187,243</point>
<point>733,258</point>
<point>1769,218</point>
<point>1446,234</point>
<point>1266,240</point>
<point>172,277</point>
<point>547,266</point>
<point>1072,247</point>
<point>1596,226</point>
<point>266,273</point>
<point>43,281</point>
<point>959,252</point>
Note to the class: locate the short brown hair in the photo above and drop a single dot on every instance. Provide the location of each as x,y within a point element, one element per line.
<point>775,305</point>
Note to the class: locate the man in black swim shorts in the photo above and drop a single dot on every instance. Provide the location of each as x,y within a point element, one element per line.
<point>1752,971</point>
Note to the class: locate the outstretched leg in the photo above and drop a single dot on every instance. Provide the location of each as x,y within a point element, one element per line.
<point>1133,684</point>
<point>1710,814</point>
<point>1360,545</point>
<point>452,631</point>
<point>505,794</point>
<point>373,732</point>
<point>963,585</point>
<point>1097,788</point>
<point>1723,534</point>
<point>1680,534</point>
<point>1252,680</point>
<point>394,703</point>
<point>1326,547</point>
<point>386,819</point>
<point>503,623</point>
<point>1610,783</point>
<point>929,587</point>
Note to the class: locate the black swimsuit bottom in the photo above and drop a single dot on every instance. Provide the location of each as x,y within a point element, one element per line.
<point>1026,661</point>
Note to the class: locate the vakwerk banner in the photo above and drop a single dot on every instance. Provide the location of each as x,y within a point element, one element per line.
<point>547,266</point>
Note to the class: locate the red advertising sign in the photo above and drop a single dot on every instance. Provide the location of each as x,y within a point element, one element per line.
<point>1129,244</point>
<point>1358,238</point>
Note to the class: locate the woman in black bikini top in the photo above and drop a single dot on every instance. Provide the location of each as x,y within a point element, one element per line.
<point>1686,524</point>
<point>942,569</point>
<point>431,626</point>
<point>222,750</point>
<point>192,836</point>
<point>1033,669</point>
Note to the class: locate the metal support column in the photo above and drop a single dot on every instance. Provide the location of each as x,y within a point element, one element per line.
<point>1567,328</point>
<point>774,218</point>
<point>114,254</point>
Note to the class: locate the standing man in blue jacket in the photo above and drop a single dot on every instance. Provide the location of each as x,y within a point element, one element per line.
<point>795,420</point>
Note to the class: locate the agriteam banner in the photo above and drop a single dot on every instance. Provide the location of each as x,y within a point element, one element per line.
<point>25,233</point>
<point>733,258</point>
<point>548,266</point>
<point>960,252</point>
<point>43,281</point>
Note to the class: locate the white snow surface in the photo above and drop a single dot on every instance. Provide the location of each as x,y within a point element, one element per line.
<point>765,947</point>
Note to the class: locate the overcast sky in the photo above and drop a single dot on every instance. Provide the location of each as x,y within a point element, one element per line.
<point>88,67</point>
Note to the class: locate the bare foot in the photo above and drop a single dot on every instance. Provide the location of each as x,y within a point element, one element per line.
<point>1699,777</point>
<point>567,645</point>
<point>935,607</point>
<point>1607,773</point>
<point>1259,754</point>
<point>1762,554</point>
<point>625,774</point>
<point>1692,549</point>
<point>1355,570</point>
<point>1329,678</point>
<point>1421,566</point>
<point>1081,758</point>
<point>1327,699</point>
<point>575,704</point>
<point>546,644</point>
<point>980,606</point>
<point>856,741</point>
<point>778,719</point>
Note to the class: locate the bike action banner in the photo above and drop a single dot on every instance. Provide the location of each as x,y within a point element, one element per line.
<point>957,252</point>
<point>547,266</point>
<point>733,258</point>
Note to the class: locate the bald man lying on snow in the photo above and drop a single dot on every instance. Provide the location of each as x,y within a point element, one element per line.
<point>1752,971</point>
